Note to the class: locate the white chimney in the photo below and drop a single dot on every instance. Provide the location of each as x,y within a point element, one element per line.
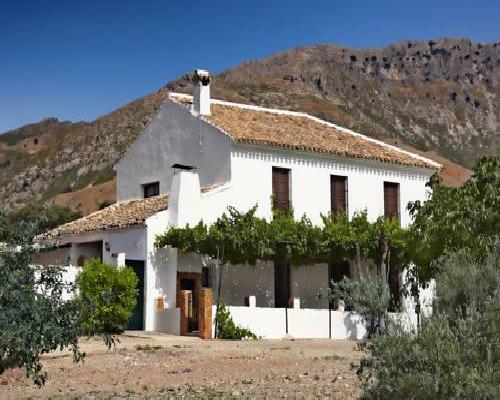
<point>201,92</point>
<point>184,203</point>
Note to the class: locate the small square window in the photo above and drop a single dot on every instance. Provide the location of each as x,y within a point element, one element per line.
<point>151,189</point>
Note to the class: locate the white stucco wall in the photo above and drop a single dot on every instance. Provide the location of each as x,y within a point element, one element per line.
<point>130,241</point>
<point>308,283</point>
<point>240,281</point>
<point>174,136</point>
<point>251,182</point>
<point>160,271</point>
<point>270,323</point>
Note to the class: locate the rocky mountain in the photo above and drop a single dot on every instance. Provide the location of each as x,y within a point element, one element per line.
<point>441,97</point>
<point>39,161</point>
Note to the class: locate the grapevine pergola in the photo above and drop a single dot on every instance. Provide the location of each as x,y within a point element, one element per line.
<point>247,238</point>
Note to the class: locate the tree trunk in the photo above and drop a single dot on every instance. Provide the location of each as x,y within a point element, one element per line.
<point>384,247</point>
<point>358,260</point>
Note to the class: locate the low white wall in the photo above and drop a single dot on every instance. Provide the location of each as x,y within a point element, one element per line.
<point>270,323</point>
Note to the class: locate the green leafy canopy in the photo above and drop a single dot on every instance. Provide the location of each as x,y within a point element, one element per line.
<point>34,317</point>
<point>247,238</point>
<point>467,217</point>
<point>108,295</point>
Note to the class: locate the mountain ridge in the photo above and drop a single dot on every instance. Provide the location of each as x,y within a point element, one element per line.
<point>443,104</point>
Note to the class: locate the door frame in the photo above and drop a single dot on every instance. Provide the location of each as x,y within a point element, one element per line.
<point>196,276</point>
<point>143,289</point>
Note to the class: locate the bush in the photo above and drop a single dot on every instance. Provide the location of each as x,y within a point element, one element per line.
<point>227,329</point>
<point>455,353</point>
<point>38,218</point>
<point>465,282</point>
<point>108,296</point>
<point>447,359</point>
<point>370,298</point>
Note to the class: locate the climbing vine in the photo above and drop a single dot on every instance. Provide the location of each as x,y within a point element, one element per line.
<point>247,238</point>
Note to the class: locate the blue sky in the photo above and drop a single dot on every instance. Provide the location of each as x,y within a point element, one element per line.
<point>78,60</point>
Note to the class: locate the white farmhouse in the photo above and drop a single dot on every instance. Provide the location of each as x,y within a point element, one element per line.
<point>200,155</point>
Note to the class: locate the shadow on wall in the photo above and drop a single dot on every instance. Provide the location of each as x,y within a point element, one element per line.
<point>240,281</point>
<point>164,274</point>
<point>351,323</point>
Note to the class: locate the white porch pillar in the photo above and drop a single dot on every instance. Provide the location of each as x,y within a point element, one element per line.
<point>120,259</point>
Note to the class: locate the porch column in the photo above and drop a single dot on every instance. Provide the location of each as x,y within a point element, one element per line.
<point>205,315</point>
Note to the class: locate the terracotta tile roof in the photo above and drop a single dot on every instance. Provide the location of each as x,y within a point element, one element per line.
<point>120,215</point>
<point>299,131</point>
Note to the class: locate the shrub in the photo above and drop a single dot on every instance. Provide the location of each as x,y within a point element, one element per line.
<point>108,296</point>
<point>104,203</point>
<point>370,298</point>
<point>465,282</point>
<point>455,353</point>
<point>447,359</point>
<point>227,329</point>
<point>38,218</point>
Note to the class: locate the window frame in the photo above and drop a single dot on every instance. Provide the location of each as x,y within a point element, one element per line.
<point>398,199</point>
<point>274,200</point>
<point>146,186</point>
<point>346,193</point>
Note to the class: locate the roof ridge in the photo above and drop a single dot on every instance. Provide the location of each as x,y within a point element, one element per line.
<point>313,118</point>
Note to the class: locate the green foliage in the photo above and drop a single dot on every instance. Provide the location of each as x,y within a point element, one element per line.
<point>467,217</point>
<point>104,203</point>
<point>464,283</point>
<point>36,218</point>
<point>108,296</point>
<point>247,238</point>
<point>446,359</point>
<point>455,353</point>
<point>370,298</point>
<point>227,329</point>
<point>34,319</point>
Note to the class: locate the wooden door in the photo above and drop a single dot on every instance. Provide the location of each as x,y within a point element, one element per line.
<point>281,189</point>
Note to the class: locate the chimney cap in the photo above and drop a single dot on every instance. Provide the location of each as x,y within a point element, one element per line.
<point>184,167</point>
<point>201,75</point>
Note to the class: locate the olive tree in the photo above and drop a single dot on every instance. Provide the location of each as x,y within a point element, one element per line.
<point>34,318</point>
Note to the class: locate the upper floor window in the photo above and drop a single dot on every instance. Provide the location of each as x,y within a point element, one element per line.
<point>151,189</point>
<point>281,189</point>
<point>338,193</point>
<point>391,200</point>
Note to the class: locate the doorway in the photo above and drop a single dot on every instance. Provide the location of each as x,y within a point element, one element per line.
<point>136,321</point>
<point>190,282</point>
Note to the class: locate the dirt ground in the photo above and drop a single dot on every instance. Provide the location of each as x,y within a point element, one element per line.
<point>163,366</point>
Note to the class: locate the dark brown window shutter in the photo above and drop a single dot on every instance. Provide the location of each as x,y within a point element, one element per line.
<point>391,200</point>
<point>281,189</point>
<point>338,193</point>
